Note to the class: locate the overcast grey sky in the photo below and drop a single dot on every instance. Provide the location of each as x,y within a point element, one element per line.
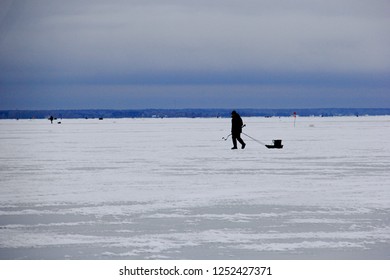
<point>125,54</point>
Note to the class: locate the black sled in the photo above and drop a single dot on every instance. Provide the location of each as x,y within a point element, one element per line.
<point>277,144</point>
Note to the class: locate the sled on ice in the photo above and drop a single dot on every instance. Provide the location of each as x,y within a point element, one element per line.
<point>277,144</point>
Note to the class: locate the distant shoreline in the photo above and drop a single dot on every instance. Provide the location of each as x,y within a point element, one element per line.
<point>189,113</point>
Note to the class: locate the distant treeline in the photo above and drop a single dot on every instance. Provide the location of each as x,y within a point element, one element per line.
<point>189,113</point>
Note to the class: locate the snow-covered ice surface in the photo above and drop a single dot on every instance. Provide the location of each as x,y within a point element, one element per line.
<point>173,189</point>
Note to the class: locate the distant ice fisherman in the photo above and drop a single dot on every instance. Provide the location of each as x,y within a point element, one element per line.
<point>236,130</point>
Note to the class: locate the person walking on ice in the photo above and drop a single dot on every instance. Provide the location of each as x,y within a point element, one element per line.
<point>236,130</point>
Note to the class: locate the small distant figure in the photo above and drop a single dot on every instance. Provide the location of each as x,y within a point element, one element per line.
<point>236,130</point>
<point>51,118</point>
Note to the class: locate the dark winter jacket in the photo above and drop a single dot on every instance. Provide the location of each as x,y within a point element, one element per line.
<point>236,123</point>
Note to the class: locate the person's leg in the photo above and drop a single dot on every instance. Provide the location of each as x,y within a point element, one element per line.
<point>234,139</point>
<point>241,142</point>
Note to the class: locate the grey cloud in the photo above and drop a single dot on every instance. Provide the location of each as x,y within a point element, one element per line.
<point>196,35</point>
<point>193,42</point>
